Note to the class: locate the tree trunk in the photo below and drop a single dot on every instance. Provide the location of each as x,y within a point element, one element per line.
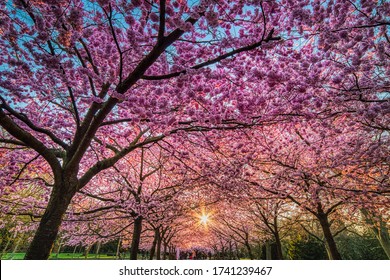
<point>136,238</point>
<point>16,248</point>
<point>172,252</point>
<point>381,232</point>
<point>331,247</point>
<point>222,253</point>
<point>86,252</point>
<point>97,255</point>
<point>268,252</point>
<point>237,250</point>
<point>5,248</point>
<point>158,253</point>
<point>118,248</point>
<point>59,248</point>
<point>278,243</point>
<point>74,251</point>
<point>248,246</point>
<point>165,250</point>
<point>154,244</point>
<point>383,237</point>
<point>230,250</point>
<point>46,234</point>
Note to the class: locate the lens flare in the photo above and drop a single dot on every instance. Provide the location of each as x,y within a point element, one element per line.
<point>204,219</point>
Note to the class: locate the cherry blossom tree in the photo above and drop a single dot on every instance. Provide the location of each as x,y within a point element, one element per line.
<point>85,83</point>
<point>78,71</point>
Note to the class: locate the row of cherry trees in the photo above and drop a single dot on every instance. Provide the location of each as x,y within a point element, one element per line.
<point>121,110</point>
<point>155,199</point>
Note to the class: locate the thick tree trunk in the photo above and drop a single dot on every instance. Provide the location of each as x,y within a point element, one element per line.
<point>46,234</point>
<point>278,243</point>
<point>136,238</point>
<point>330,244</point>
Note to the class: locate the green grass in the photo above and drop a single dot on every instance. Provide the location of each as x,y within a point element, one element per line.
<point>63,256</point>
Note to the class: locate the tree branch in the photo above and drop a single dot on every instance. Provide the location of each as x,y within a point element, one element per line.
<point>161,29</point>
<point>109,162</point>
<point>11,141</point>
<point>148,60</point>
<point>19,133</point>
<point>27,121</point>
<point>24,168</point>
<point>217,59</point>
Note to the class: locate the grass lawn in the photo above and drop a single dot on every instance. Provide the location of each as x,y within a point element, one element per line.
<point>63,256</point>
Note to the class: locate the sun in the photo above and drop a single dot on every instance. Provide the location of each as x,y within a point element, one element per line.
<point>204,219</point>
